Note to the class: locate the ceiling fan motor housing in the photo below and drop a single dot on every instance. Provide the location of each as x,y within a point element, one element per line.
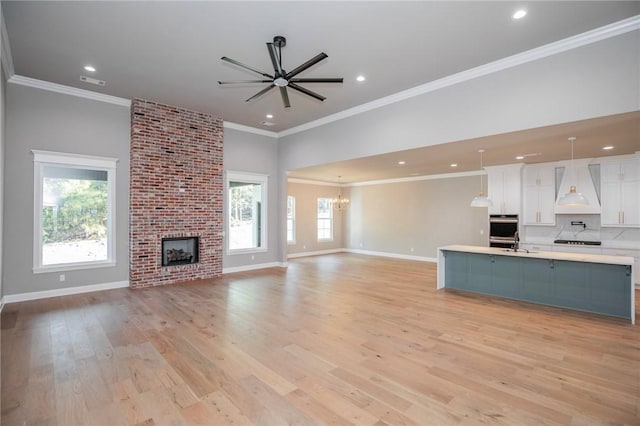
<point>279,41</point>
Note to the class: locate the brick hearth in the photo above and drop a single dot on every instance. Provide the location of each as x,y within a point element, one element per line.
<point>176,191</point>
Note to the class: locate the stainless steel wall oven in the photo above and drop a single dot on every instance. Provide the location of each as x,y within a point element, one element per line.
<point>503,229</point>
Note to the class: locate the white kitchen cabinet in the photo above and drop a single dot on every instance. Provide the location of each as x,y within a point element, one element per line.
<point>539,195</point>
<point>620,189</point>
<point>504,187</point>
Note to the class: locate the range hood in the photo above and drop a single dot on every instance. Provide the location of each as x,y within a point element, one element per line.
<point>580,176</point>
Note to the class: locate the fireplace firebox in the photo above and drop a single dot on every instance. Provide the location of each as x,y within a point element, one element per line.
<point>179,251</point>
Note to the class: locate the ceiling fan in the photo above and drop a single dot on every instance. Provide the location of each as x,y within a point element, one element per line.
<point>280,77</point>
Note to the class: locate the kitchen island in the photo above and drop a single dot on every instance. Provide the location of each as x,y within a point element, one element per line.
<point>586,282</point>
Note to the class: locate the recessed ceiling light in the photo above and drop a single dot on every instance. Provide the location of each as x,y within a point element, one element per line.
<point>402,163</point>
<point>89,68</point>
<point>361,78</point>
<point>608,147</point>
<point>269,115</point>
<point>415,174</point>
<point>454,164</point>
<point>520,157</point>
<point>520,14</point>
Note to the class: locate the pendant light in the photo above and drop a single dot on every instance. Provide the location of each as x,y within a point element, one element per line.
<point>481,200</point>
<point>573,197</point>
<point>340,203</point>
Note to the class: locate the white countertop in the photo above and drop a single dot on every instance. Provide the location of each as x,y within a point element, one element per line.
<point>554,255</point>
<point>613,244</point>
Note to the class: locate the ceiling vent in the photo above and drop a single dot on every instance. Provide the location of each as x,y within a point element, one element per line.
<point>267,123</point>
<point>92,80</point>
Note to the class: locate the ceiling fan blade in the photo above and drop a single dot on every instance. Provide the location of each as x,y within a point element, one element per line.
<point>247,67</point>
<point>311,62</point>
<point>285,97</point>
<point>275,60</point>
<point>317,80</point>
<point>244,81</point>
<point>260,93</point>
<point>307,91</point>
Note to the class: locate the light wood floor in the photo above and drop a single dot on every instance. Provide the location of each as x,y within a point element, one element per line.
<point>339,339</point>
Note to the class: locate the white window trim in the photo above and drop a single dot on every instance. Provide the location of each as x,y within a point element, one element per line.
<point>251,178</point>
<point>293,241</point>
<point>330,239</point>
<point>42,158</point>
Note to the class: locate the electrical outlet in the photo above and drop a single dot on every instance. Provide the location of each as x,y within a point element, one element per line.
<point>62,277</point>
<point>482,232</point>
<point>253,257</point>
<point>411,249</point>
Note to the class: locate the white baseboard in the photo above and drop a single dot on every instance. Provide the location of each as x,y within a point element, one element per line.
<point>23,297</point>
<point>252,267</point>
<point>393,255</point>
<point>315,253</point>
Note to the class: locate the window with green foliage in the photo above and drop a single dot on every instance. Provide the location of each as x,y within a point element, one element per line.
<point>246,220</point>
<point>74,208</point>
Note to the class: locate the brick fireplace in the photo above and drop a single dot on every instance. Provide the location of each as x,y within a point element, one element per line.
<point>176,192</point>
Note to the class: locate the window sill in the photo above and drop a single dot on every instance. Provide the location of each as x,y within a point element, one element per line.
<point>325,240</point>
<point>73,266</point>
<point>291,243</point>
<point>246,251</point>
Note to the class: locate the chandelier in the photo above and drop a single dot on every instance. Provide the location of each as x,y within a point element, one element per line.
<point>340,203</point>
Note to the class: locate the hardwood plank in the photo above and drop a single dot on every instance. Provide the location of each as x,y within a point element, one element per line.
<point>340,339</point>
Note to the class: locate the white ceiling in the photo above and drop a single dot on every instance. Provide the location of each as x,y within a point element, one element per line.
<point>170,51</point>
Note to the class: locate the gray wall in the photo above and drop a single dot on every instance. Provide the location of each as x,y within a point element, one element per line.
<point>420,215</point>
<point>248,152</point>
<point>3,90</point>
<point>306,218</point>
<point>39,119</point>
<point>591,81</point>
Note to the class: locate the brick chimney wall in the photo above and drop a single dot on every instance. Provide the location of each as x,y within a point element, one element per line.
<point>176,191</point>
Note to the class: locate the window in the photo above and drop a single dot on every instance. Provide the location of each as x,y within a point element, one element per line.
<point>247,219</point>
<point>291,219</point>
<point>325,219</point>
<point>74,209</point>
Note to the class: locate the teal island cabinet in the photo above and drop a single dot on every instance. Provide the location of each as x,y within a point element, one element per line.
<point>585,282</point>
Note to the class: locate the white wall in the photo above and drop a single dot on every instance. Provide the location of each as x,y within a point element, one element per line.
<point>249,152</point>
<point>591,81</point>
<point>415,218</point>
<point>40,119</point>
<point>306,218</point>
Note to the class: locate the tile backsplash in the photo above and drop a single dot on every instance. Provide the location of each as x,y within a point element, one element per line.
<point>593,232</point>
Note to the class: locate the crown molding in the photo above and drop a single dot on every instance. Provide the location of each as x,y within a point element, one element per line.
<point>589,37</point>
<point>316,182</point>
<point>5,53</point>
<point>82,93</point>
<point>418,178</point>
<point>386,181</point>
<point>67,90</point>
<point>248,129</point>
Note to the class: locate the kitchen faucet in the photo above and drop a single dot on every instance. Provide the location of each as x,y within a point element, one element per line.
<point>516,241</point>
